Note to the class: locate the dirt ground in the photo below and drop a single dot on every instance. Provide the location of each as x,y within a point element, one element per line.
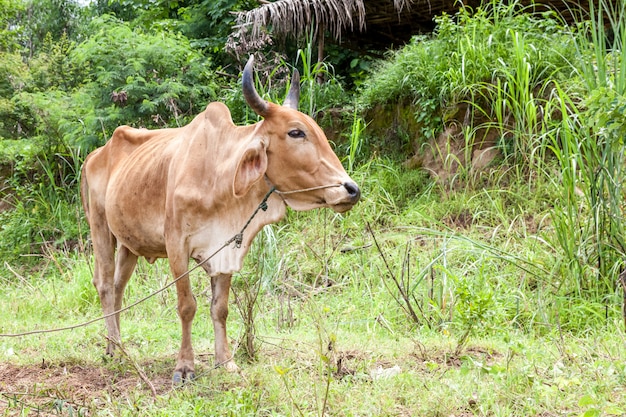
<point>52,389</point>
<point>48,389</point>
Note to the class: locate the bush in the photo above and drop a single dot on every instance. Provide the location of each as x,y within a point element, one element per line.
<point>155,80</point>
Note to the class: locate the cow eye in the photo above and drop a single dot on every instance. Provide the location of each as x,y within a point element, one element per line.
<point>296,133</point>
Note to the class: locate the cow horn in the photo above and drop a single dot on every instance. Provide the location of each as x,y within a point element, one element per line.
<point>253,98</point>
<point>293,97</point>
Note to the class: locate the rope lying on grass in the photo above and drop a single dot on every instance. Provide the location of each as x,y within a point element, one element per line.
<point>237,239</point>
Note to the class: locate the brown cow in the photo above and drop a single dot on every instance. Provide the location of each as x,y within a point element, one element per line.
<point>182,193</point>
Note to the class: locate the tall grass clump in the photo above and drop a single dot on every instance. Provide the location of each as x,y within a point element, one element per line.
<point>589,146</point>
<point>517,101</point>
<point>321,89</point>
<point>44,203</point>
<point>554,94</point>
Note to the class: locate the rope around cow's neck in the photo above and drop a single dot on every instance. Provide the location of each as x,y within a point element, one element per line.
<point>304,190</point>
<point>237,239</point>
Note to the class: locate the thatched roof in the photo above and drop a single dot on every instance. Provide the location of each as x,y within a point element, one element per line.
<point>360,24</point>
<point>295,17</point>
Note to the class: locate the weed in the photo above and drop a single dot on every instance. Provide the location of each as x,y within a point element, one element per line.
<point>588,144</point>
<point>496,43</point>
<point>356,140</point>
<point>248,285</point>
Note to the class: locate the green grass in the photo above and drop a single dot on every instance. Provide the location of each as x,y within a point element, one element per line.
<point>495,45</point>
<point>504,372</point>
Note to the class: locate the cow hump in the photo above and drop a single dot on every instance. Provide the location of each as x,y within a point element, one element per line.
<point>218,114</point>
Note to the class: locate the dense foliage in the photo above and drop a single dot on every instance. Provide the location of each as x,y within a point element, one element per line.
<point>66,84</point>
<point>437,72</point>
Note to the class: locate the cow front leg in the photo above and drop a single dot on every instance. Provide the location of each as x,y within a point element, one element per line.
<point>220,287</point>
<point>184,370</point>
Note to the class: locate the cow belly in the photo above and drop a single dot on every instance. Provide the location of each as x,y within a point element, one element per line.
<point>135,204</point>
<point>142,239</point>
<point>136,223</point>
<point>149,248</point>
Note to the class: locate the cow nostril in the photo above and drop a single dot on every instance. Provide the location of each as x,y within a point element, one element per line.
<point>353,190</point>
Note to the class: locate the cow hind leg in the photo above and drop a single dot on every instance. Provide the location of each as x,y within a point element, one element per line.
<point>103,280</point>
<point>184,370</point>
<point>220,286</point>
<point>124,268</point>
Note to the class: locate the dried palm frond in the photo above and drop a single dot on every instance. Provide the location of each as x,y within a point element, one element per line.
<point>295,17</point>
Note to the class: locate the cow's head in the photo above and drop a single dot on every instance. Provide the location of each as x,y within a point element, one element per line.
<point>298,156</point>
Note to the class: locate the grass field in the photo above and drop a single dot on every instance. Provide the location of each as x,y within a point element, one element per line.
<point>492,327</point>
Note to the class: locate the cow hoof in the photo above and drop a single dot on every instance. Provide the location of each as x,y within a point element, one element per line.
<point>180,377</point>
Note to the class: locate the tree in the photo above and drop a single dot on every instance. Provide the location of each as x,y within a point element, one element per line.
<point>143,78</point>
<point>144,12</point>
<point>9,27</point>
<point>207,22</point>
<point>54,18</point>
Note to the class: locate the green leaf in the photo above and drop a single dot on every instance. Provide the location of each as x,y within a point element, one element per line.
<point>586,401</point>
<point>592,412</point>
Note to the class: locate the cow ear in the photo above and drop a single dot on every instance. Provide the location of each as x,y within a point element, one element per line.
<point>251,168</point>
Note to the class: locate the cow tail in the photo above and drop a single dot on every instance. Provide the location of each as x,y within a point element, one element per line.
<point>84,189</point>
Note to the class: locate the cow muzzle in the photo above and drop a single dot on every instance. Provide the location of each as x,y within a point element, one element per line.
<point>344,197</point>
<point>353,190</point>
<point>353,195</point>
